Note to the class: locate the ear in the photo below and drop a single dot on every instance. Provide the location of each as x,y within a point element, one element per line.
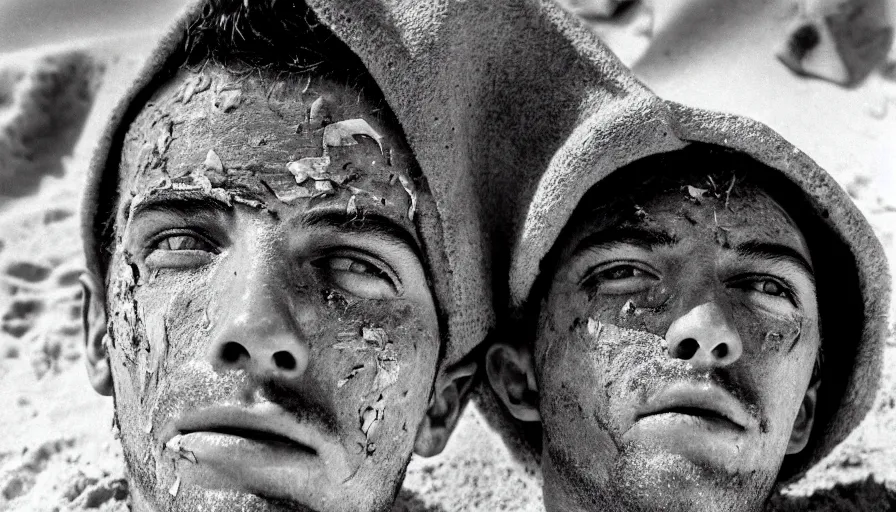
<point>805,418</point>
<point>511,374</point>
<point>93,318</point>
<point>445,406</point>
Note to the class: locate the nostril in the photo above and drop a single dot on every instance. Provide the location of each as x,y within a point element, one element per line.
<point>720,351</point>
<point>284,360</point>
<point>232,352</point>
<point>685,349</point>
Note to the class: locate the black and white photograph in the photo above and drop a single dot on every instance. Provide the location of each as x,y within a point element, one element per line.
<point>447,255</point>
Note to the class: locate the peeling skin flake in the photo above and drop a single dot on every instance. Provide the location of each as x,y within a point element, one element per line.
<point>252,203</point>
<point>164,140</point>
<point>323,187</point>
<point>375,335</point>
<point>595,327</point>
<point>387,369</point>
<point>696,193</point>
<point>314,168</point>
<point>351,208</point>
<point>412,191</point>
<point>370,417</point>
<point>228,100</point>
<point>295,192</point>
<point>213,161</point>
<point>199,83</point>
<point>175,487</point>
<point>350,376</point>
<point>343,133</point>
<point>175,445</point>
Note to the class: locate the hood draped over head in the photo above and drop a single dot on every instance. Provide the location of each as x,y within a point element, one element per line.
<point>514,110</point>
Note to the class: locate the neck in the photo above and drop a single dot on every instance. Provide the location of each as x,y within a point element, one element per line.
<point>138,503</point>
<point>562,495</point>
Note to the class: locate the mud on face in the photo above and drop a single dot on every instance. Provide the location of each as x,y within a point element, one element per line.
<point>266,259</point>
<point>698,282</point>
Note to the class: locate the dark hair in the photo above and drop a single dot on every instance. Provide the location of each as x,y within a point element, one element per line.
<point>283,36</point>
<point>278,38</point>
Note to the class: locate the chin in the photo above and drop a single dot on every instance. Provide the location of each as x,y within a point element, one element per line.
<point>646,478</point>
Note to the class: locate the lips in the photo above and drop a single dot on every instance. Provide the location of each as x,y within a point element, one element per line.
<point>704,401</point>
<point>265,424</point>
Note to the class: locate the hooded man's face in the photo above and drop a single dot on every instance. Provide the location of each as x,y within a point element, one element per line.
<point>272,337</point>
<point>674,349</point>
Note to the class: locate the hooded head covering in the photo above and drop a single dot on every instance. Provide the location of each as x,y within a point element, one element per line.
<point>482,121</point>
<point>513,111</point>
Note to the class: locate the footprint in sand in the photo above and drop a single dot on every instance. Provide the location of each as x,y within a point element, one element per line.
<point>19,478</point>
<point>27,271</point>
<point>54,215</point>
<point>20,316</point>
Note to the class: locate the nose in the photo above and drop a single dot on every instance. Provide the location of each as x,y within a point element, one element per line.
<point>261,332</point>
<point>704,337</point>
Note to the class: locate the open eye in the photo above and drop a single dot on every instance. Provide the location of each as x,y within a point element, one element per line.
<point>183,243</point>
<point>619,279</point>
<point>769,287</point>
<point>179,250</point>
<point>770,292</point>
<point>360,276</point>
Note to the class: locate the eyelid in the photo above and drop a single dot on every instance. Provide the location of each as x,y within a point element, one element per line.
<point>378,263</point>
<point>789,287</point>
<point>174,232</point>
<point>593,270</point>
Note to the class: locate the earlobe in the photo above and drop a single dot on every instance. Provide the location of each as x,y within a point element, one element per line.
<point>512,376</point>
<point>805,418</point>
<point>93,319</point>
<point>446,405</point>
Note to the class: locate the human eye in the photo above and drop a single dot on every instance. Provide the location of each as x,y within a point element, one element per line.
<point>360,275</point>
<point>619,278</point>
<point>179,249</point>
<point>771,292</point>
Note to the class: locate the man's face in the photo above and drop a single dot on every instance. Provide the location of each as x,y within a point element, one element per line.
<point>675,348</point>
<point>273,339</point>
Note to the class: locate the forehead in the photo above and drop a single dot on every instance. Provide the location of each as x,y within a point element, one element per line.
<point>268,135</point>
<point>725,208</point>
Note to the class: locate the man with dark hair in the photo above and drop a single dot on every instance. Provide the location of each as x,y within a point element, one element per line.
<point>262,302</point>
<point>672,354</point>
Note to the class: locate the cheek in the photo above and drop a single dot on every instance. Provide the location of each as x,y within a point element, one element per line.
<point>590,364</point>
<point>379,360</point>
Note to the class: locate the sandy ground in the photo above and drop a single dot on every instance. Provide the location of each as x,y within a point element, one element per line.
<point>58,450</point>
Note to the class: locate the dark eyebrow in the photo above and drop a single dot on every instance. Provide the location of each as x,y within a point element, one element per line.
<point>364,222</point>
<point>775,252</point>
<point>632,235</point>
<point>182,203</point>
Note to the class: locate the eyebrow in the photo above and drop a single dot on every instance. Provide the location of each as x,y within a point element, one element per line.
<point>775,252</point>
<point>638,236</point>
<point>182,203</point>
<point>364,222</point>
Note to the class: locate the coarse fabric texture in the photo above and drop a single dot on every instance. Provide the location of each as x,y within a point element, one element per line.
<point>514,110</point>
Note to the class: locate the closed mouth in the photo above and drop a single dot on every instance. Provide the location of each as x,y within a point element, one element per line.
<point>698,412</point>
<point>260,436</point>
<point>265,424</point>
<point>699,400</point>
